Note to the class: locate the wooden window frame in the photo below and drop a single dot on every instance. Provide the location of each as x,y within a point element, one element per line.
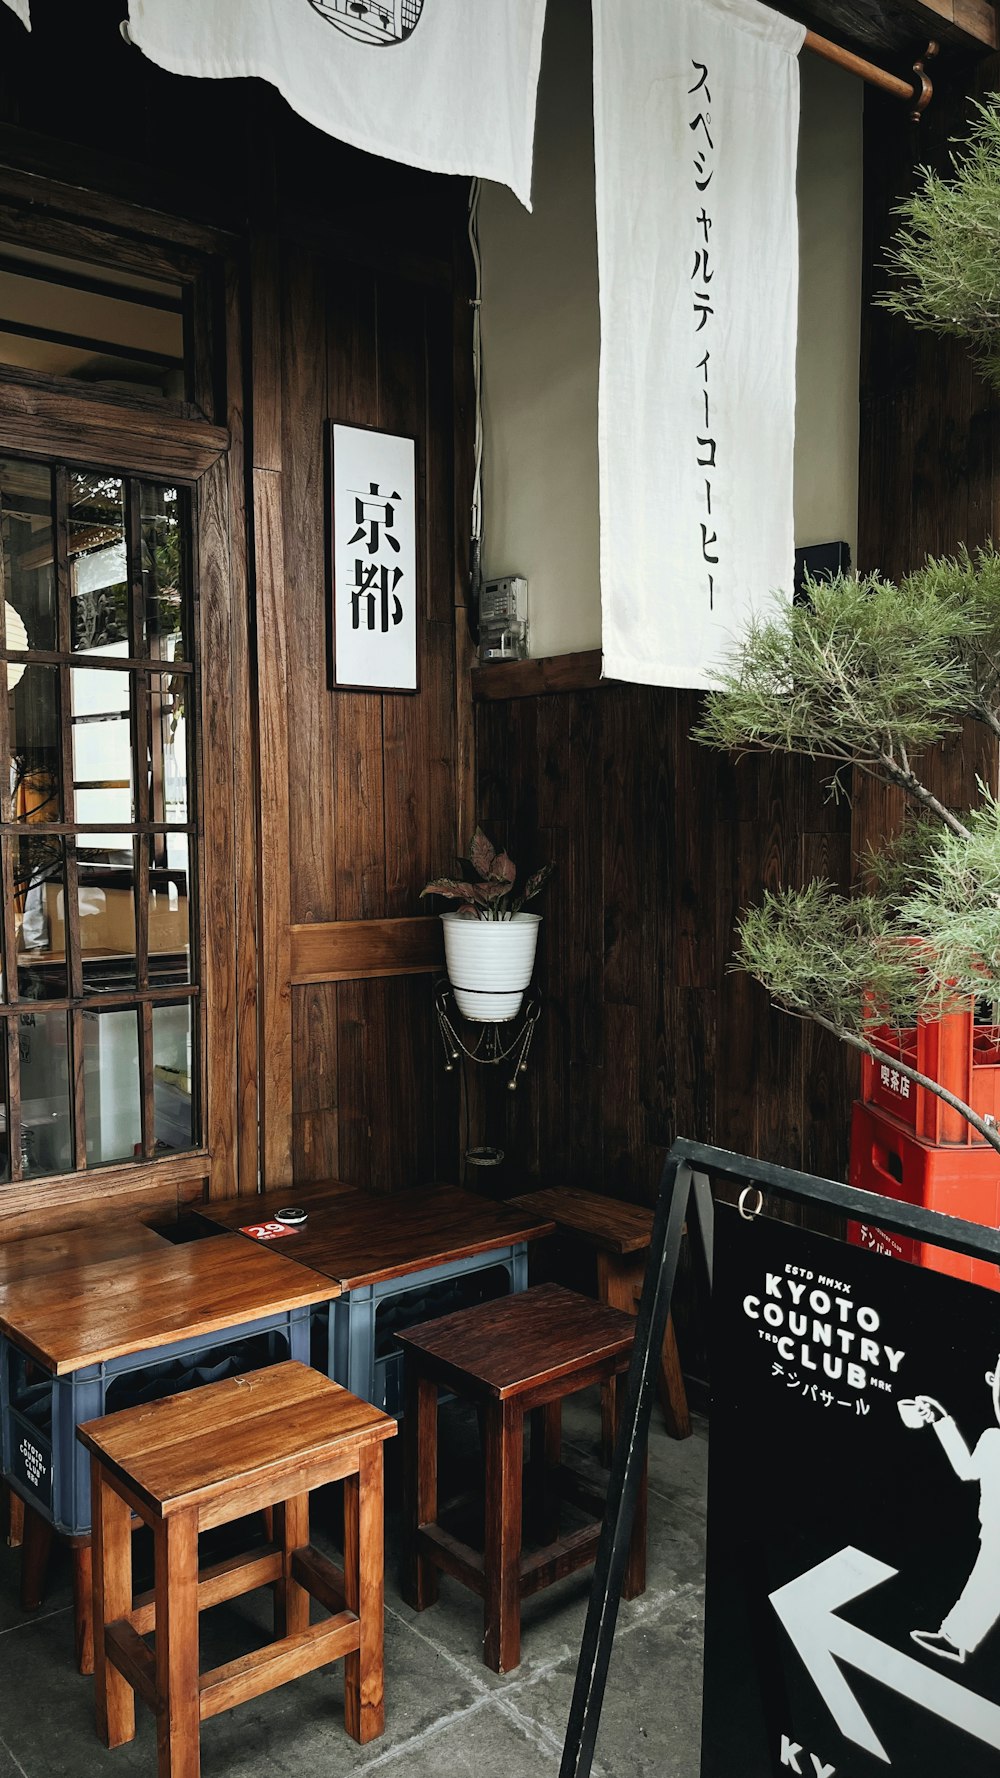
<point>155,437</point>
<point>147,830</point>
<point>48,418</point>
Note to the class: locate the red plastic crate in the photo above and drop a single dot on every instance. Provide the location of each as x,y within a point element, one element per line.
<point>954,1051</point>
<point>964,1182</point>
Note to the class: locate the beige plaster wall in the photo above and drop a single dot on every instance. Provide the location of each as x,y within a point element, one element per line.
<point>541,339</point>
<point>829,345</point>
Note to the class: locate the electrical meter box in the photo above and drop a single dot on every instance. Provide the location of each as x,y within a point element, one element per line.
<point>503,619</point>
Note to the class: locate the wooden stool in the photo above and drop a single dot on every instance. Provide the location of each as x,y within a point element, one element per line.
<point>620,1233</point>
<point>14,1515</point>
<point>524,1352</point>
<point>38,1535</point>
<point>204,1458</point>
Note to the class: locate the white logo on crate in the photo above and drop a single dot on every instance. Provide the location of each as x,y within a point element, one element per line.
<point>878,1241</point>
<point>896,1082</point>
<point>34,1462</point>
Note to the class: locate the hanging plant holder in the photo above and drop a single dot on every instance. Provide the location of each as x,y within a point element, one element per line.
<point>494,1044</point>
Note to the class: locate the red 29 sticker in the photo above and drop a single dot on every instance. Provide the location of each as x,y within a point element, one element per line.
<point>266,1231</point>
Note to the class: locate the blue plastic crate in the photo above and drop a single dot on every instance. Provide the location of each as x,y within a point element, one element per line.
<point>39,1413</point>
<point>360,1351</point>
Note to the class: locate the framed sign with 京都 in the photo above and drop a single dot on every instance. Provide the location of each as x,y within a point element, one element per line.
<point>373,531</point>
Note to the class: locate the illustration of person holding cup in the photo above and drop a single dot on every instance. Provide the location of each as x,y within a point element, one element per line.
<point>978,1608</point>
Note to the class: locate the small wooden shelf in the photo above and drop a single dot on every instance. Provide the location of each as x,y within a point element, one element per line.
<point>500,680</point>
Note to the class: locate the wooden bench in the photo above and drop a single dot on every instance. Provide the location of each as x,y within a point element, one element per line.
<point>205,1458</point>
<point>520,1354</point>
<point>620,1235</point>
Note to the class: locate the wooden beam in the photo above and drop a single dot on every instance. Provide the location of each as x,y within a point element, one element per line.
<point>277,1663</point>
<point>70,1200</point>
<point>229,1579</point>
<point>355,950</point>
<point>44,416</point>
<point>36,187</point>
<point>134,1661</point>
<point>972,21</point>
<point>500,680</point>
<point>893,32</point>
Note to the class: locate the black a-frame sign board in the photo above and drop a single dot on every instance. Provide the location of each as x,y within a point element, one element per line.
<point>853,1600</point>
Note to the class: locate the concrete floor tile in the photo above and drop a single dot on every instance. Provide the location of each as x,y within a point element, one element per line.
<point>486,1742</point>
<point>445,1710</point>
<point>58,1595</point>
<point>8,1765</point>
<point>651,1720</point>
<point>651,1716</point>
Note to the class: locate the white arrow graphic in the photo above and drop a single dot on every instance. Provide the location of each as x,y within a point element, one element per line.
<point>808,1606</point>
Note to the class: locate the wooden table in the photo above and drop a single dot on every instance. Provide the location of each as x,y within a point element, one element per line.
<point>620,1235</point>
<point>379,1249</point>
<point>33,1255</point>
<point>24,1259</point>
<point>158,1299</point>
<point>81,1310</point>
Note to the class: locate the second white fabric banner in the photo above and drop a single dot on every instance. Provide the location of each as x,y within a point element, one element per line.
<point>696,108</point>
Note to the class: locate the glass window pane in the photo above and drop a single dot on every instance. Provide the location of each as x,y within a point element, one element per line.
<point>46,1132</point>
<point>98,563</point>
<point>173,1075</point>
<point>101,325</point>
<point>35,745</point>
<point>111,1086</point>
<point>26,554</point>
<point>102,749</point>
<point>169,921</point>
<point>168,748</point>
<point>106,900</point>
<point>164,572</point>
<point>40,912</point>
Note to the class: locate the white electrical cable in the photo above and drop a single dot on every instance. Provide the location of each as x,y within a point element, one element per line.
<point>475,190</point>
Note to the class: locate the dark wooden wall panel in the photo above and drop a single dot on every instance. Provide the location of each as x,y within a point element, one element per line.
<point>371,779</point>
<point>929,425</point>
<point>646,1034</point>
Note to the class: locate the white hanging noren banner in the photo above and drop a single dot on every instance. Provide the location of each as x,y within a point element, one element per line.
<point>448,85</point>
<point>696,108</point>
<point>20,7</point>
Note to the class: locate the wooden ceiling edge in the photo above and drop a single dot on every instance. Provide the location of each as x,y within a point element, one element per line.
<point>960,26</point>
<point>965,21</point>
<point>93,199</point>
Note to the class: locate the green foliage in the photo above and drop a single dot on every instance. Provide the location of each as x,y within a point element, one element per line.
<point>890,870</point>
<point>487,891</point>
<point>856,675</point>
<point>827,956</point>
<point>967,586</point>
<point>869,674</point>
<point>947,246</point>
<point>954,904</point>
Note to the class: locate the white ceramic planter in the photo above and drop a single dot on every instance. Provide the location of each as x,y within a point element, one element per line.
<point>490,963</point>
